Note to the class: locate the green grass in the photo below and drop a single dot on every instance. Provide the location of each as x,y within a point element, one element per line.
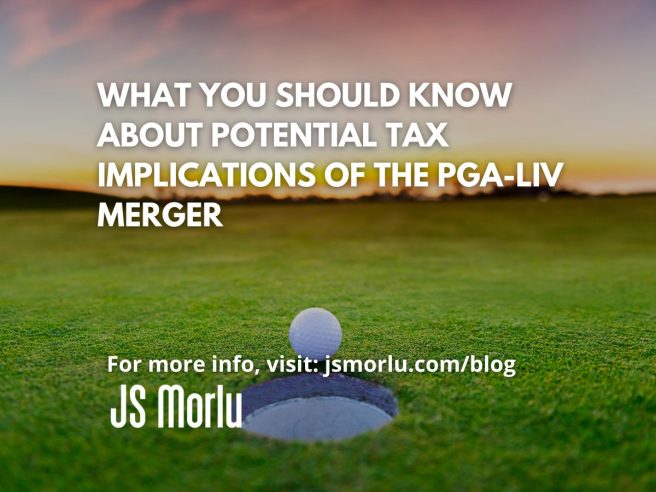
<point>567,287</point>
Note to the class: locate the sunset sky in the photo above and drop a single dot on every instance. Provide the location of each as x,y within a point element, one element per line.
<point>584,76</point>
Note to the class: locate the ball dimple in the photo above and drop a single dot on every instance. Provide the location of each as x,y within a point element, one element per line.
<point>315,333</point>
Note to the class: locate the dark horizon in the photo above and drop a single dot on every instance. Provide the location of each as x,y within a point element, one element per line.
<point>37,197</point>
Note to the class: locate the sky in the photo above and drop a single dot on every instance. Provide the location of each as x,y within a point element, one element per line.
<point>583,74</point>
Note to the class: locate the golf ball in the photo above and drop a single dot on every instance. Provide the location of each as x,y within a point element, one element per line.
<point>315,333</point>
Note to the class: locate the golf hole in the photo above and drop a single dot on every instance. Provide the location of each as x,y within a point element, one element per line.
<point>309,407</point>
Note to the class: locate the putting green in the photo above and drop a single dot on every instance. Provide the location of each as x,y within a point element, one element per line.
<point>566,287</point>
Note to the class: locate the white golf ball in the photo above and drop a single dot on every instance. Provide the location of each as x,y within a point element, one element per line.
<point>315,333</point>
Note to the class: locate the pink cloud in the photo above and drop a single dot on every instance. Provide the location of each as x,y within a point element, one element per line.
<point>38,37</point>
<point>291,36</point>
<point>269,12</point>
<point>255,12</point>
<point>178,12</point>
